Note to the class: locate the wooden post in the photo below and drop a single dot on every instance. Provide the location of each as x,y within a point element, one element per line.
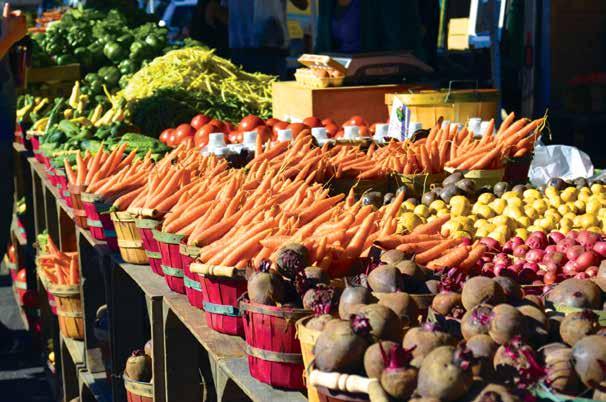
<point>93,296</point>
<point>180,360</point>
<point>69,375</point>
<point>127,330</point>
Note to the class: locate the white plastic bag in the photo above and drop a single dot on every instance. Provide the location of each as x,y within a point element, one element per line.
<point>561,161</point>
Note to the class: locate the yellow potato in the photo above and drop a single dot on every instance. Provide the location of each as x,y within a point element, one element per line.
<point>459,234</point>
<point>564,209</point>
<point>486,198</point>
<point>500,237</point>
<point>593,205</point>
<point>597,188</point>
<point>540,206</point>
<point>523,221</point>
<point>531,194</point>
<point>530,212</point>
<point>498,205</point>
<point>514,202</point>
<point>551,191</point>
<point>513,212</point>
<point>522,232</point>
<point>484,211</point>
<point>408,221</point>
<point>569,194</point>
<point>437,205</point>
<point>555,201</point>
<point>580,205</point>
<point>421,210</point>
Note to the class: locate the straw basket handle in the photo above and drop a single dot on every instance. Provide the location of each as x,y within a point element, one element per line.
<point>450,84</point>
<point>349,383</point>
<point>214,270</point>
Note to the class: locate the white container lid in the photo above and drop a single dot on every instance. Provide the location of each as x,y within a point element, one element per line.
<point>249,139</point>
<point>413,127</point>
<point>216,140</point>
<point>456,125</point>
<point>319,133</point>
<point>285,135</point>
<point>475,126</point>
<point>351,132</point>
<point>484,127</point>
<point>381,130</point>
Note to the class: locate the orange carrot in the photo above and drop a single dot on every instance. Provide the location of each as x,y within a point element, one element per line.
<point>432,227</point>
<point>451,259</point>
<point>435,252</point>
<point>413,248</point>
<point>475,254</point>
<point>356,244</point>
<point>484,162</point>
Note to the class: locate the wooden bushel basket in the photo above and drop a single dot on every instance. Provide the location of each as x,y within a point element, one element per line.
<point>75,193</point>
<point>146,227</point>
<point>129,239</point>
<point>222,288</point>
<point>191,280</point>
<point>137,391</point>
<point>307,338</point>
<point>417,184</point>
<point>172,267</point>
<point>274,352</point>
<point>99,221</point>
<point>69,310</point>
<point>52,300</point>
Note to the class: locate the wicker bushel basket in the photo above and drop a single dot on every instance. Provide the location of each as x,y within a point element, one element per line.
<point>307,338</point>
<point>172,267</point>
<point>129,239</point>
<point>274,353</point>
<point>146,227</point>
<point>337,387</point>
<point>417,184</point>
<point>222,288</point>
<point>69,310</point>
<point>137,391</point>
<point>99,221</point>
<point>191,280</point>
<point>75,193</point>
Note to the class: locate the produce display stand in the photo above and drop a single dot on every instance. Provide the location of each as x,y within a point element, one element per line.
<point>191,361</point>
<point>291,100</point>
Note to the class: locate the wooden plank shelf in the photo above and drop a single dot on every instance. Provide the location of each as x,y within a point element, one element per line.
<point>75,349</point>
<point>227,356</point>
<point>96,385</point>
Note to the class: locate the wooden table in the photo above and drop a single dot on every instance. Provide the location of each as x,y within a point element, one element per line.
<point>191,362</point>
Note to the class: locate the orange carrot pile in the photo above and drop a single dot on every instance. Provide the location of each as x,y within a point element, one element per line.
<point>90,171</point>
<point>57,267</point>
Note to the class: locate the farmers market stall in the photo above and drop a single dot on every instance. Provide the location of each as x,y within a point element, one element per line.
<point>175,242</point>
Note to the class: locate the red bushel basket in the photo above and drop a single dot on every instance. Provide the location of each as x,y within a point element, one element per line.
<point>36,147</point>
<point>51,176</point>
<point>62,186</point>
<point>274,352</point>
<point>193,289</point>
<point>75,193</point>
<point>171,260</point>
<point>137,391</point>
<point>99,220</point>
<point>146,227</point>
<point>222,288</point>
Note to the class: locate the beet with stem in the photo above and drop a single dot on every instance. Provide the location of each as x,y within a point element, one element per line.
<point>516,364</point>
<point>483,348</point>
<point>403,305</point>
<point>481,290</point>
<point>373,358</point>
<point>577,325</point>
<point>292,259</point>
<point>446,373</point>
<point>536,324</point>
<point>385,279</point>
<point>399,378</point>
<point>511,289</point>
<point>422,340</point>
<point>506,323</point>
<point>561,376</point>
<point>266,287</point>
<point>353,295</point>
<point>448,304</point>
<point>579,293</point>
<point>341,345</point>
<point>392,257</point>
<point>384,323</point>
<point>589,357</point>
<point>476,321</point>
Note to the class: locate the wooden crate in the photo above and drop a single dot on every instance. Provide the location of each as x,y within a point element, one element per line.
<point>69,72</point>
<point>292,101</point>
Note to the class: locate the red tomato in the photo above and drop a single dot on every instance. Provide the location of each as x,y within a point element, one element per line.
<point>331,129</point>
<point>264,132</point>
<point>199,120</point>
<point>184,131</point>
<point>249,123</point>
<point>296,128</point>
<point>327,121</point>
<point>165,134</point>
<point>172,139</point>
<point>201,136</point>
<point>355,121</point>
<point>312,122</point>
<point>235,137</point>
<point>364,131</point>
<point>271,121</point>
<point>281,125</point>
<point>218,123</point>
<point>188,142</point>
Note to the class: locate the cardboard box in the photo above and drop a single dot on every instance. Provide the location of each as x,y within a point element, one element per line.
<point>293,101</point>
<point>458,38</point>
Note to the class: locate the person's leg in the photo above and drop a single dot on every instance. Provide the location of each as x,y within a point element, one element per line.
<point>7,130</point>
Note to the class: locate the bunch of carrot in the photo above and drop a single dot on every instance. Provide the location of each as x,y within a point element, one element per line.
<point>91,170</point>
<point>59,268</point>
<point>174,180</point>
<point>433,250</point>
<point>351,161</point>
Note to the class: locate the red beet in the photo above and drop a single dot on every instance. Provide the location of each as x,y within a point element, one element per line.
<point>399,378</point>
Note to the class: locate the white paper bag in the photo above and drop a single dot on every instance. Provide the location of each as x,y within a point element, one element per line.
<point>561,161</point>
